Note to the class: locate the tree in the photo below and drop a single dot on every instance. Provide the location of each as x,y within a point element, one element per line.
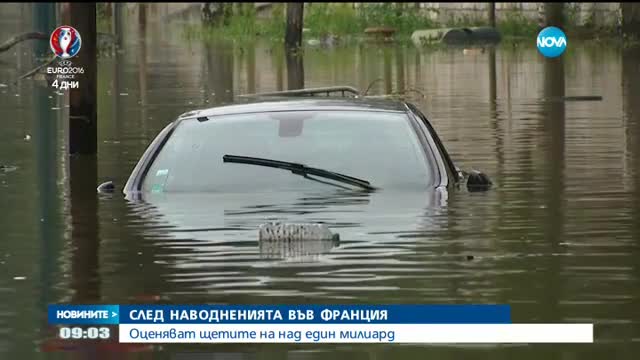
<point>83,111</point>
<point>554,14</point>
<point>292,42</point>
<point>492,14</point>
<point>293,34</point>
<point>631,19</point>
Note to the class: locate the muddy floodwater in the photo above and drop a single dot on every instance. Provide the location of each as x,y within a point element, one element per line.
<point>558,237</point>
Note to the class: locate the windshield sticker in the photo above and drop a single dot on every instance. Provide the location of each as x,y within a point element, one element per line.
<point>157,188</point>
<point>162,172</point>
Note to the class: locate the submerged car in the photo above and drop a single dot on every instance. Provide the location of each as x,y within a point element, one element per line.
<point>294,140</point>
<point>365,167</point>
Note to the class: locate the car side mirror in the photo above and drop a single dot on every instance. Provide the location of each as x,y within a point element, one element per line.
<point>106,187</point>
<point>478,181</point>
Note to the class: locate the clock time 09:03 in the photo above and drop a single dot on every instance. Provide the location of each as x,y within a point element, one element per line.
<point>85,333</point>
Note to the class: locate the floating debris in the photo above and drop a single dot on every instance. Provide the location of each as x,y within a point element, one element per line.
<point>7,168</point>
<point>3,85</point>
<point>473,35</point>
<point>583,98</point>
<point>574,98</point>
<point>124,94</point>
<point>27,137</point>
<point>380,32</point>
<point>473,51</point>
<point>305,251</point>
<point>19,278</point>
<point>146,298</point>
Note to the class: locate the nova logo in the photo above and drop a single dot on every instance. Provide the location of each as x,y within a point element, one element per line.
<point>551,42</point>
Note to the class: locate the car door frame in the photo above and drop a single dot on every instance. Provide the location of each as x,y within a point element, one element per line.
<point>133,187</point>
<point>452,171</point>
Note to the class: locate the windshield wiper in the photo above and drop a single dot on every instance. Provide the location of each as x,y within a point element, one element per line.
<point>300,169</point>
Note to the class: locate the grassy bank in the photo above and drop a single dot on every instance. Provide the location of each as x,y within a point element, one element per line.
<point>242,25</point>
<point>320,20</point>
<point>342,20</point>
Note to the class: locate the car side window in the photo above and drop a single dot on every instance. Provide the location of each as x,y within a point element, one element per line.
<point>451,168</point>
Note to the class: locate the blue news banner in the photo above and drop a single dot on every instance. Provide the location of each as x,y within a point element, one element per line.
<point>278,323</point>
<point>278,314</point>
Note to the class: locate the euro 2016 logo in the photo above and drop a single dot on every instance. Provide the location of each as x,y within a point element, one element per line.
<point>552,42</point>
<point>65,42</point>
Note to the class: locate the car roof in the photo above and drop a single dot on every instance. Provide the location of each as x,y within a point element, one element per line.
<point>260,105</point>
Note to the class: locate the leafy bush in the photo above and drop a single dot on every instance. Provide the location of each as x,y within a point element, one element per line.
<point>517,25</point>
<point>404,19</point>
<point>242,25</point>
<point>338,19</point>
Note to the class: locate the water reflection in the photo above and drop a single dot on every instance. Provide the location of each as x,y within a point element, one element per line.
<point>557,238</point>
<point>142,61</point>
<point>251,70</point>
<point>631,90</point>
<point>400,66</point>
<point>387,73</point>
<point>220,66</point>
<point>49,215</point>
<point>295,69</point>
<point>85,238</point>
<point>553,133</point>
<point>300,251</point>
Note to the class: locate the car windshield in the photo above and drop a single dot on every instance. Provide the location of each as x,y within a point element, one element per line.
<point>379,147</point>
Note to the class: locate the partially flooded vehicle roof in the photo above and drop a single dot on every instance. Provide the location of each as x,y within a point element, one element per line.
<point>298,104</point>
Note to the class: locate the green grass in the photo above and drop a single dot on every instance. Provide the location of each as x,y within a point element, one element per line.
<point>321,19</point>
<point>103,18</point>
<point>516,25</point>
<point>241,27</point>
<point>465,21</point>
<point>342,20</point>
<point>405,20</point>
